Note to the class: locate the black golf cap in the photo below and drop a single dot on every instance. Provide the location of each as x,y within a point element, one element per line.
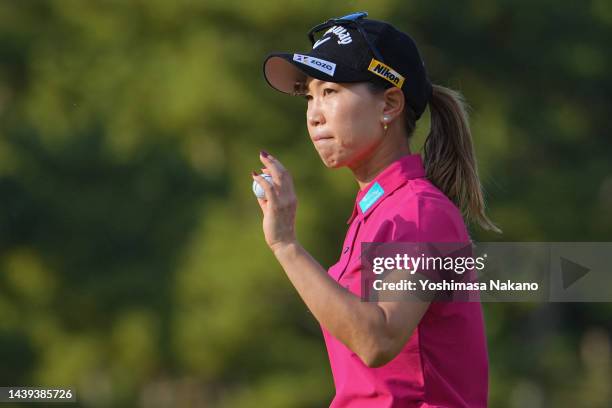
<point>355,49</point>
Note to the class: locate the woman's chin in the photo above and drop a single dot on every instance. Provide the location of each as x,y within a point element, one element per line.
<point>331,162</point>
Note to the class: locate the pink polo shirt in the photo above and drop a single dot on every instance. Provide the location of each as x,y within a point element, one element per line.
<point>444,363</point>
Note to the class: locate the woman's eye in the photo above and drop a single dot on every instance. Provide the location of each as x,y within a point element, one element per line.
<point>307,97</point>
<point>327,91</point>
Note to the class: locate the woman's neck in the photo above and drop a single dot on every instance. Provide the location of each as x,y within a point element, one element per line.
<point>372,165</point>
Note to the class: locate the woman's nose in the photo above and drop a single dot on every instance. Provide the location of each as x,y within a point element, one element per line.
<point>314,114</point>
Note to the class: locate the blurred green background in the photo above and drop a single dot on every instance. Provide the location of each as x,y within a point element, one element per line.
<point>132,263</point>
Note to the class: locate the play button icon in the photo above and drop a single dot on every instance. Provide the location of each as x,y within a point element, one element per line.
<point>571,272</point>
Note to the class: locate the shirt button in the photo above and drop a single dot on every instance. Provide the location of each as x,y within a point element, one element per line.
<point>346,249</point>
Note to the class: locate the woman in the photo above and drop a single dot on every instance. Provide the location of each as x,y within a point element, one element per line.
<point>366,87</point>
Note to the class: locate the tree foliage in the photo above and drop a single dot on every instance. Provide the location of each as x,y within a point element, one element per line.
<point>132,264</point>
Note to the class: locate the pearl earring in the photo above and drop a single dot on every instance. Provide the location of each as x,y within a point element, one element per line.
<point>385,120</point>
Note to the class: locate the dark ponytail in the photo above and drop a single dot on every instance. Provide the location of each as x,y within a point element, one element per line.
<point>448,154</point>
<point>449,157</point>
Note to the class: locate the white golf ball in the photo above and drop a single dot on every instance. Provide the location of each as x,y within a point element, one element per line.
<point>259,192</point>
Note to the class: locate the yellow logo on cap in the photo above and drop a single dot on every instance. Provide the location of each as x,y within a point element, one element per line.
<point>386,72</point>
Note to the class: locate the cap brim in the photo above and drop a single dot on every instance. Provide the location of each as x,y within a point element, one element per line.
<point>282,72</point>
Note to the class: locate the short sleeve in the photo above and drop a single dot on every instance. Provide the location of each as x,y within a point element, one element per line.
<point>431,235</point>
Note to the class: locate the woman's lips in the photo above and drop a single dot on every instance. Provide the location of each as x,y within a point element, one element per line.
<point>321,138</point>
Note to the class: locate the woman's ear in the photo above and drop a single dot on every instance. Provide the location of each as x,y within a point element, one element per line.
<point>393,102</point>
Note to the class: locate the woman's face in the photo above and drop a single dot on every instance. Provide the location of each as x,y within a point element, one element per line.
<point>344,121</point>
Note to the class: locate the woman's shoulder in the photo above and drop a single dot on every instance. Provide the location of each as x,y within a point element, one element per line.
<point>421,211</point>
<point>419,198</point>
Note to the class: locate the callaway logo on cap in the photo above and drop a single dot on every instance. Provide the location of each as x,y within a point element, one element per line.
<point>355,49</point>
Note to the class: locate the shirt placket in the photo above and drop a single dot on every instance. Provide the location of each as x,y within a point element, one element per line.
<point>349,246</point>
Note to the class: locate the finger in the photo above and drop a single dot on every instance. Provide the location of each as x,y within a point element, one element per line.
<point>266,186</point>
<point>263,204</point>
<point>280,175</point>
<point>273,165</point>
<point>276,162</point>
